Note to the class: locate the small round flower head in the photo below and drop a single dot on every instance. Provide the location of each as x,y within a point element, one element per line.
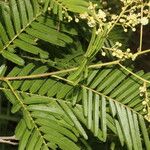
<point>122,20</point>
<point>144,21</point>
<point>144,103</point>
<point>114,17</point>
<point>142,89</point>
<point>49,9</point>
<point>103,53</point>
<point>69,18</point>
<point>84,15</point>
<point>76,19</point>
<point>41,2</point>
<point>147,117</point>
<point>128,50</point>
<point>141,94</point>
<point>91,7</point>
<point>144,110</point>
<point>91,22</point>
<point>125,30</point>
<point>101,14</point>
<point>133,29</point>
<point>118,44</point>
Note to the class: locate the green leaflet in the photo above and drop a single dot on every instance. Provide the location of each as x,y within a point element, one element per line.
<point>112,107</point>
<point>30,48</point>
<point>65,28</point>
<point>60,14</point>
<point>43,108</point>
<point>52,119</point>
<point>55,8</point>
<point>132,129</point>
<point>99,77</point>
<point>26,116</point>
<point>67,4</point>
<point>16,108</point>
<point>46,4</point>
<point>103,118</point>
<point>15,15</point>
<point>138,138</point>
<point>2,69</point>
<point>112,146</point>
<point>78,9</point>
<point>10,96</point>
<point>111,124</point>
<point>33,140</point>
<point>144,132</point>
<point>27,38</point>
<point>20,129</point>
<point>120,75</point>
<point>51,38</point>
<point>36,100</point>
<point>52,145</point>
<point>84,99</point>
<point>123,120</point>
<point>74,119</point>
<point>23,14</point>
<point>45,147</point>
<point>25,71</point>
<point>23,142</point>
<point>119,132</point>
<point>125,85</point>
<point>8,23</point>
<point>29,9</point>
<point>27,84</point>
<point>107,81</point>
<point>1,45</point>
<point>53,90</point>
<point>75,95</point>
<point>13,57</point>
<point>96,114</point>
<point>61,141</point>
<point>39,144</point>
<point>117,124</point>
<point>36,8</point>
<point>37,83</point>
<point>3,34</point>
<point>90,106</point>
<point>46,86</point>
<point>64,90</point>
<point>57,128</point>
<point>15,71</point>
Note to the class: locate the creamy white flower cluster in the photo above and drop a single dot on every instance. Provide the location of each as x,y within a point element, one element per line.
<point>146,102</point>
<point>126,2</point>
<point>117,52</point>
<point>122,55</point>
<point>97,17</point>
<point>136,13</point>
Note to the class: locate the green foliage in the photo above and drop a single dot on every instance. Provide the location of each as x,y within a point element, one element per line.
<point>64,96</point>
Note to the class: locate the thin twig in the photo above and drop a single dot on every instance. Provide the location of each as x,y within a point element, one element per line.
<point>124,9</point>
<point>141,31</point>
<point>8,140</point>
<point>143,52</point>
<point>57,72</point>
<point>8,137</point>
<point>144,80</point>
